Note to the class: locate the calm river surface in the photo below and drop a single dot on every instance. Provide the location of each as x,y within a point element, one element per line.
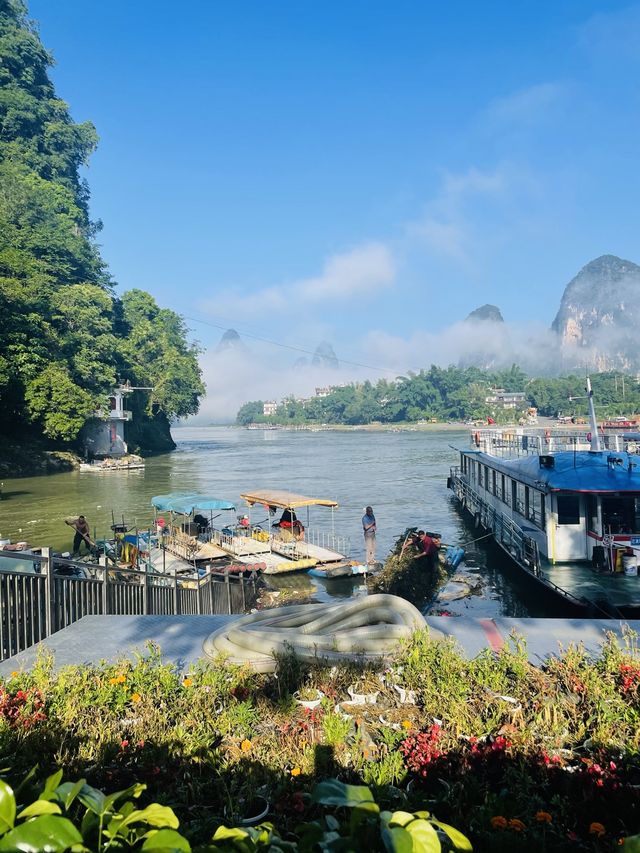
<point>402,475</point>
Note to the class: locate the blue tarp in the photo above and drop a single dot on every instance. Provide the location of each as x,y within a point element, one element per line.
<point>186,503</point>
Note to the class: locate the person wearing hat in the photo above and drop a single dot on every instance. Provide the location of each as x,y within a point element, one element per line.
<point>244,521</point>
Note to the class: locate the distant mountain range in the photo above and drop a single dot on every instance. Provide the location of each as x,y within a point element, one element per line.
<point>597,322</point>
<point>597,326</point>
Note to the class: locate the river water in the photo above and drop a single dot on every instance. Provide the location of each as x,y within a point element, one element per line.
<point>402,475</point>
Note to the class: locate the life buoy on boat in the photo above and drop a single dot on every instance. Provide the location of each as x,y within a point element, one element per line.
<point>476,520</point>
<point>476,438</point>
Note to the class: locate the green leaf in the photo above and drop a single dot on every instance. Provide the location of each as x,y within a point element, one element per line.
<point>424,836</point>
<point>93,799</point>
<point>632,844</point>
<point>49,790</point>
<point>39,807</point>
<point>68,791</point>
<point>7,807</point>
<point>166,839</point>
<point>401,818</point>
<point>133,791</point>
<point>331,822</point>
<point>459,841</point>
<point>153,815</point>
<point>398,840</point>
<point>332,792</point>
<point>46,834</point>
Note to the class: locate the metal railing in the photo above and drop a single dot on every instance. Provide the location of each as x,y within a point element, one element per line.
<point>34,605</point>
<point>516,442</point>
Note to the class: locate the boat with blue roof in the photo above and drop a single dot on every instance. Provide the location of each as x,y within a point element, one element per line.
<point>563,505</point>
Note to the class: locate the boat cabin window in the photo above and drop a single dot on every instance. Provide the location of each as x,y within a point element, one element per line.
<point>621,515</point>
<point>592,508</point>
<point>494,479</point>
<point>481,475</point>
<point>536,508</point>
<point>568,509</point>
<point>520,505</point>
<point>505,490</point>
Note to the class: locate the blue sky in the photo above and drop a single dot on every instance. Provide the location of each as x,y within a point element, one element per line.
<point>361,172</point>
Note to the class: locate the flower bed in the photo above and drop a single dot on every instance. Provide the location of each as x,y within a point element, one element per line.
<point>516,757</point>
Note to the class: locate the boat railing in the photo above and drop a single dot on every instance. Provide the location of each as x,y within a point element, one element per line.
<point>511,536</point>
<point>57,592</point>
<point>282,542</point>
<point>515,442</point>
<point>522,547</point>
<point>255,542</point>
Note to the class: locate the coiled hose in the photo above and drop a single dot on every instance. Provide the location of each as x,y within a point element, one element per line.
<point>369,628</point>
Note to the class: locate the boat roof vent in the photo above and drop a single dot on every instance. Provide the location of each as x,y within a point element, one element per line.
<point>547,462</point>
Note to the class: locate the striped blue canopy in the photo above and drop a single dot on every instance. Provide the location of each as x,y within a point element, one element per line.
<point>186,503</point>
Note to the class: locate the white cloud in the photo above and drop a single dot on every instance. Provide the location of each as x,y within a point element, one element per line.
<point>525,108</point>
<point>613,35</point>
<point>362,271</point>
<point>447,226</point>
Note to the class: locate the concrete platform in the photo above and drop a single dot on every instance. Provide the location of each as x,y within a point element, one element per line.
<point>106,638</point>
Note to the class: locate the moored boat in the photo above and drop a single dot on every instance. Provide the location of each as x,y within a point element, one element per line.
<point>565,507</point>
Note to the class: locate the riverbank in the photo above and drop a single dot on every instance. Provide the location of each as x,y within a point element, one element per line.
<point>32,459</point>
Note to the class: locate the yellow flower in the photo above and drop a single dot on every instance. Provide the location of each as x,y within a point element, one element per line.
<point>516,824</point>
<point>498,822</point>
<point>113,681</point>
<point>245,746</point>
<point>120,679</point>
<point>136,697</point>
<point>406,724</point>
<point>15,673</point>
<point>296,771</point>
<point>596,829</point>
<point>543,817</point>
<point>187,682</point>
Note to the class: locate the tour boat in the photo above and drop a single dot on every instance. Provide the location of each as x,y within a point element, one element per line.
<point>565,506</point>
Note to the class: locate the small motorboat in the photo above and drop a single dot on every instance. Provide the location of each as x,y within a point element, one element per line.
<point>342,570</point>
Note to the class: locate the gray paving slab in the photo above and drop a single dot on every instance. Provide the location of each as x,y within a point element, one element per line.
<point>96,638</point>
<point>108,638</point>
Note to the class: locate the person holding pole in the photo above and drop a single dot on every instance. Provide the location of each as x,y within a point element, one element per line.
<point>81,527</point>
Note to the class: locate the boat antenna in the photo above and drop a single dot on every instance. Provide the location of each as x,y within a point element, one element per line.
<point>593,424</point>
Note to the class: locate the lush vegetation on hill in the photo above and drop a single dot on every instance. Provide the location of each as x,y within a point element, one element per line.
<point>452,394</point>
<point>66,338</point>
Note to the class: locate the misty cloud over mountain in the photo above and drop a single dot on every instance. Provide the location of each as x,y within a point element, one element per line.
<point>595,328</point>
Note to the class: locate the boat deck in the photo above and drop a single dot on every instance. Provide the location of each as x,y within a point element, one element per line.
<point>582,581</point>
<point>307,550</point>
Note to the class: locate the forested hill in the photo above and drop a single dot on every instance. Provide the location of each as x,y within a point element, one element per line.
<point>66,338</point>
<point>452,394</point>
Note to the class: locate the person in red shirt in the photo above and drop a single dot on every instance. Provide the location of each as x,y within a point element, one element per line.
<point>429,544</point>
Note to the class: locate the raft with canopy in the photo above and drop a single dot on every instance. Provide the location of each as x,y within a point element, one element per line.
<point>292,539</point>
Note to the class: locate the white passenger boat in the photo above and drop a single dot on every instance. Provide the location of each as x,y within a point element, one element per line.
<point>565,506</point>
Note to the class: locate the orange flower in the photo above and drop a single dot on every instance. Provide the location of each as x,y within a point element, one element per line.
<point>187,682</point>
<point>406,724</point>
<point>119,679</point>
<point>136,697</point>
<point>113,681</point>
<point>296,771</point>
<point>15,673</point>
<point>499,822</point>
<point>245,746</point>
<point>596,829</point>
<point>516,825</point>
<point>543,817</point>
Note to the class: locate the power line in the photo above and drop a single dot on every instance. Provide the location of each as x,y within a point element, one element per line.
<point>287,346</point>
